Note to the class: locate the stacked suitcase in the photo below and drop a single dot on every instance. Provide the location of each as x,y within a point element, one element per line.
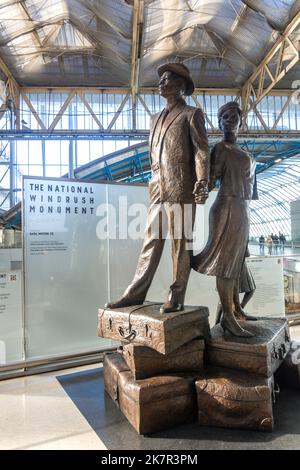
<point>158,380</point>
<point>237,389</point>
<point>152,376</point>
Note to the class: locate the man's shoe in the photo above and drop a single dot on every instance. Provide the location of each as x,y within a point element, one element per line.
<point>123,302</point>
<point>169,307</point>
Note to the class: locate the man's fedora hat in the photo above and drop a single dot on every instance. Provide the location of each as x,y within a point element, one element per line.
<point>182,71</point>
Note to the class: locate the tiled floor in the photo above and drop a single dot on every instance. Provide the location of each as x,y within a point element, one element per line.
<point>36,413</point>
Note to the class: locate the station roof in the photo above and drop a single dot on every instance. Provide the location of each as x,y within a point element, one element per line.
<point>101,42</point>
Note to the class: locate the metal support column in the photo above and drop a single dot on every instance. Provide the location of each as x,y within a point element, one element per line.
<point>12,173</point>
<point>44,157</point>
<point>71,145</point>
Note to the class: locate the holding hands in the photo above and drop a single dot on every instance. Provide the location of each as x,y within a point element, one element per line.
<point>201,191</point>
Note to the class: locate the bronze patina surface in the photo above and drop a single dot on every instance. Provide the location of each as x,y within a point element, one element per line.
<point>151,404</point>
<point>261,354</point>
<point>234,399</point>
<point>145,362</point>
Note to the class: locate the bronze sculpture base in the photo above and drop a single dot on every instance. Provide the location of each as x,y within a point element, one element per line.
<point>155,378</point>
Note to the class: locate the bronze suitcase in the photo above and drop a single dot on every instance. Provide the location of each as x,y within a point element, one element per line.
<point>113,365</point>
<point>145,362</point>
<point>153,404</point>
<point>144,325</point>
<point>288,373</point>
<point>261,354</point>
<point>235,399</point>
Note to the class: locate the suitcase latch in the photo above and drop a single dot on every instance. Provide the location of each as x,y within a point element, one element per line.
<point>127,333</point>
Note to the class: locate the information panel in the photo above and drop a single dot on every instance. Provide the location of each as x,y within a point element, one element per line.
<point>268,299</point>
<point>66,271</point>
<point>11,330</point>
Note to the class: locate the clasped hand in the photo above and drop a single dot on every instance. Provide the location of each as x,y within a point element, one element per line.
<point>200,191</point>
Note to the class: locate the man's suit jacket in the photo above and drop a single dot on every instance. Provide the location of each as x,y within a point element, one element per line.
<point>183,152</point>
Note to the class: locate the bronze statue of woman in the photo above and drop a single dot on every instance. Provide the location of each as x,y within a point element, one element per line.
<point>225,251</point>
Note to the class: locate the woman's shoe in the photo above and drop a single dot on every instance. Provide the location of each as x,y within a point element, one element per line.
<point>242,316</point>
<point>231,325</point>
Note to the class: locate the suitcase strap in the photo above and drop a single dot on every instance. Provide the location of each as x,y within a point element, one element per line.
<point>130,334</point>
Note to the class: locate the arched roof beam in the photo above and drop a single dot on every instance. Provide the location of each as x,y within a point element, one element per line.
<point>56,20</point>
<point>13,89</point>
<point>262,77</point>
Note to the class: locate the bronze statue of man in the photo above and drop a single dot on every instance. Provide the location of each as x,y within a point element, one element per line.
<point>225,252</point>
<point>180,169</point>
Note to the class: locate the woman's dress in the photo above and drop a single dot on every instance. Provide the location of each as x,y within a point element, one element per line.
<point>225,251</point>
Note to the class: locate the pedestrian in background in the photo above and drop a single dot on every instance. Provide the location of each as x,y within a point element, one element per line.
<point>269,243</point>
<point>262,245</point>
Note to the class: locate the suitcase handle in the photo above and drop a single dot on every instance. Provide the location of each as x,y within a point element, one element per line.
<point>130,337</point>
<point>132,333</point>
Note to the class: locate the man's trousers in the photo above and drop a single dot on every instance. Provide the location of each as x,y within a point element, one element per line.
<point>177,219</point>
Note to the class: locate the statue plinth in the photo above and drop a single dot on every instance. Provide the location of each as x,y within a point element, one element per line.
<point>157,378</point>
